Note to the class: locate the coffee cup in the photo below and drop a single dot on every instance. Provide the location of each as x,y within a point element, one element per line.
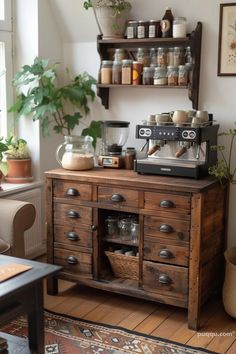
<point>179,117</point>
<point>203,115</point>
<point>196,122</point>
<point>162,118</point>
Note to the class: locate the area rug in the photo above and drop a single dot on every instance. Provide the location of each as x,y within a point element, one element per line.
<point>68,335</point>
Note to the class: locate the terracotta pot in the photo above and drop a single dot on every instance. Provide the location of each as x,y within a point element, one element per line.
<point>19,171</point>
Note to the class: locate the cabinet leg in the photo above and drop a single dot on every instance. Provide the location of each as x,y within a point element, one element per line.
<point>52,286</point>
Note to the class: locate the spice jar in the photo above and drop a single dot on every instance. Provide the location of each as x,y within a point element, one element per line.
<point>160,77</point>
<point>179,27</point>
<point>143,56</point>
<point>170,57</point>
<point>162,56</point>
<point>183,75</point>
<point>188,55</point>
<point>116,72</point>
<point>131,30</point>
<point>172,75</point>
<point>106,72</point>
<point>148,73</point>
<point>153,56</point>
<point>153,28</point>
<point>126,72</point>
<point>142,29</point>
<point>119,54</point>
<point>137,73</point>
<point>130,155</point>
<point>179,58</point>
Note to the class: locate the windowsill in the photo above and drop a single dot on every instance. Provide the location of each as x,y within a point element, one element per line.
<point>12,188</point>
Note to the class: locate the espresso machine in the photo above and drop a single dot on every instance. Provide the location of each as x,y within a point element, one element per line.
<point>178,149</point>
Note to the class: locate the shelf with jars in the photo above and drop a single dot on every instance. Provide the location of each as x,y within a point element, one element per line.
<point>180,57</point>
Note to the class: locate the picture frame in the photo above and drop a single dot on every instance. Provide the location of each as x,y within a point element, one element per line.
<point>227,40</point>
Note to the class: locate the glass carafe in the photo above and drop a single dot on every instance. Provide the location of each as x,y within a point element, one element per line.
<point>78,153</point>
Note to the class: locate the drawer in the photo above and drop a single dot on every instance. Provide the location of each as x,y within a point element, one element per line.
<point>74,237</point>
<point>72,215</point>
<point>118,196</point>
<point>165,279</point>
<point>167,228</point>
<point>174,203</point>
<point>72,190</point>
<point>160,251</point>
<point>75,262</point>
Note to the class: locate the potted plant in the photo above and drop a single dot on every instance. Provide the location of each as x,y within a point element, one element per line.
<point>59,107</point>
<point>18,161</point>
<point>111,16</point>
<point>3,164</point>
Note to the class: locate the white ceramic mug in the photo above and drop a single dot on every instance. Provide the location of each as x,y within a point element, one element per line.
<point>203,115</point>
<point>162,118</point>
<point>179,117</point>
<point>196,122</point>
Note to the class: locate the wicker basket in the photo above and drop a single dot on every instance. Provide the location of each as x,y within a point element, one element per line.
<point>123,266</point>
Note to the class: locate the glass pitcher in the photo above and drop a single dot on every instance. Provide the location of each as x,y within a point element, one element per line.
<point>78,153</point>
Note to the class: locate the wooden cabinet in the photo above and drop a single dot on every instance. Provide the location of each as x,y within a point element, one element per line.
<point>178,257</point>
<point>106,48</point>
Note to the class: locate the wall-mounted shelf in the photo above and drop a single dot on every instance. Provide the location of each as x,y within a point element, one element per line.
<point>193,40</point>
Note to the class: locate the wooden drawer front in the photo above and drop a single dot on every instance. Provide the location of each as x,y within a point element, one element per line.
<point>74,262</point>
<point>165,279</point>
<point>167,228</point>
<point>72,190</point>
<point>118,196</point>
<point>157,250</point>
<point>72,215</point>
<point>167,202</point>
<point>72,236</point>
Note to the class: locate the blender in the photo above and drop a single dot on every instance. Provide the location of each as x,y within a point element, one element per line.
<point>114,136</point>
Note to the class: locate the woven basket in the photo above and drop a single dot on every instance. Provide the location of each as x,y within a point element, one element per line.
<point>123,266</point>
<point>229,288</point>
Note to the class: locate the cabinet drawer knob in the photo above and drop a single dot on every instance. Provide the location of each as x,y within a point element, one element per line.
<point>164,279</point>
<point>117,198</point>
<point>166,228</point>
<point>72,192</point>
<point>72,260</point>
<point>166,204</point>
<point>72,236</point>
<point>94,227</point>
<point>165,253</point>
<point>73,214</point>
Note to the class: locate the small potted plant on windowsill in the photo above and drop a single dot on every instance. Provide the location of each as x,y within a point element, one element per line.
<point>18,160</point>
<point>111,16</point>
<point>3,164</point>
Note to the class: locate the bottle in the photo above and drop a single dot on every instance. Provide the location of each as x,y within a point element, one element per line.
<point>166,23</point>
<point>179,27</point>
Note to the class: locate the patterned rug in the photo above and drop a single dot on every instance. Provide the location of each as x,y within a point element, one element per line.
<point>68,335</point>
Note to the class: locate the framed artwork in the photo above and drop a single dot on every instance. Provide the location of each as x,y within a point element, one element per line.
<point>227,40</point>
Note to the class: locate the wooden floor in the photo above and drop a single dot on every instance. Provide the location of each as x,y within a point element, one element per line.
<point>218,330</point>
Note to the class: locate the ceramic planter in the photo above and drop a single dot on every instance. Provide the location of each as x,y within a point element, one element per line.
<point>19,171</point>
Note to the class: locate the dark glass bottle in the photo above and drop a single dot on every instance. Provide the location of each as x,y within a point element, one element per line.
<point>166,23</point>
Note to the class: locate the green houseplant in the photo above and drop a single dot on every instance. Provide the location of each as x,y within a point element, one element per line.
<point>111,16</point>
<point>3,164</point>
<point>59,107</point>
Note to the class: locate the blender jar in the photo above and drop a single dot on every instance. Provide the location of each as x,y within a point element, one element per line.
<point>115,134</point>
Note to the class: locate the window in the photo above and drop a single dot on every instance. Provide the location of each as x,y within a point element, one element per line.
<point>6,65</point>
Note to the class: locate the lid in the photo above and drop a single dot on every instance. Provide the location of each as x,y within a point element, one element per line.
<point>119,50</point>
<point>132,22</point>
<point>142,22</point>
<point>116,123</point>
<point>117,62</point>
<point>148,68</point>
<point>182,66</point>
<point>127,61</point>
<point>107,62</point>
<point>179,18</point>
<point>153,21</point>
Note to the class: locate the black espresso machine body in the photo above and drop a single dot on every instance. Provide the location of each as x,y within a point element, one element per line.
<point>183,151</point>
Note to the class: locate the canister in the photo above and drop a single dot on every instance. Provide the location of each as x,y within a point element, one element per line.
<point>106,72</point>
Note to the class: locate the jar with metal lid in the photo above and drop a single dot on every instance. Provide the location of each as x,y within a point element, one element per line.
<point>160,77</point>
<point>119,54</point>
<point>106,72</point>
<point>143,56</point>
<point>130,155</point>
<point>153,28</point>
<point>162,56</point>
<point>179,56</point>
<point>188,55</point>
<point>179,27</point>
<point>148,73</point>
<point>137,73</point>
<point>131,30</point>
<point>126,72</point>
<point>142,29</point>
<point>170,57</point>
<point>172,75</point>
<point>111,224</point>
<point>153,56</point>
<point>116,72</point>
<point>183,75</point>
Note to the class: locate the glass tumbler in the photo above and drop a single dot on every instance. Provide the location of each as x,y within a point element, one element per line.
<point>134,231</point>
<point>125,225</point>
<point>111,227</point>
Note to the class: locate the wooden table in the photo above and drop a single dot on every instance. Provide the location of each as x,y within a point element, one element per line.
<point>23,294</point>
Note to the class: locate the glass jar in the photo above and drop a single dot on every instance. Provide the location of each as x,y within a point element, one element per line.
<point>137,73</point>
<point>162,56</point>
<point>153,28</point>
<point>124,226</point>
<point>170,57</point>
<point>142,29</point>
<point>106,72</point>
<point>188,56</point>
<point>111,226</point>
<point>116,72</point>
<point>179,56</point>
<point>134,231</point>
<point>119,54</point>
<point>131,31</point>
<point>183,75</point>
<point>143,56</point>
<point>172,75</point>
<point>78,153</point>
<point>160,77</point>
<point>153,56</point>
<point>126,72</point>
<point>179,27</point>
<point>148,73</point>
<point>130,155</point>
